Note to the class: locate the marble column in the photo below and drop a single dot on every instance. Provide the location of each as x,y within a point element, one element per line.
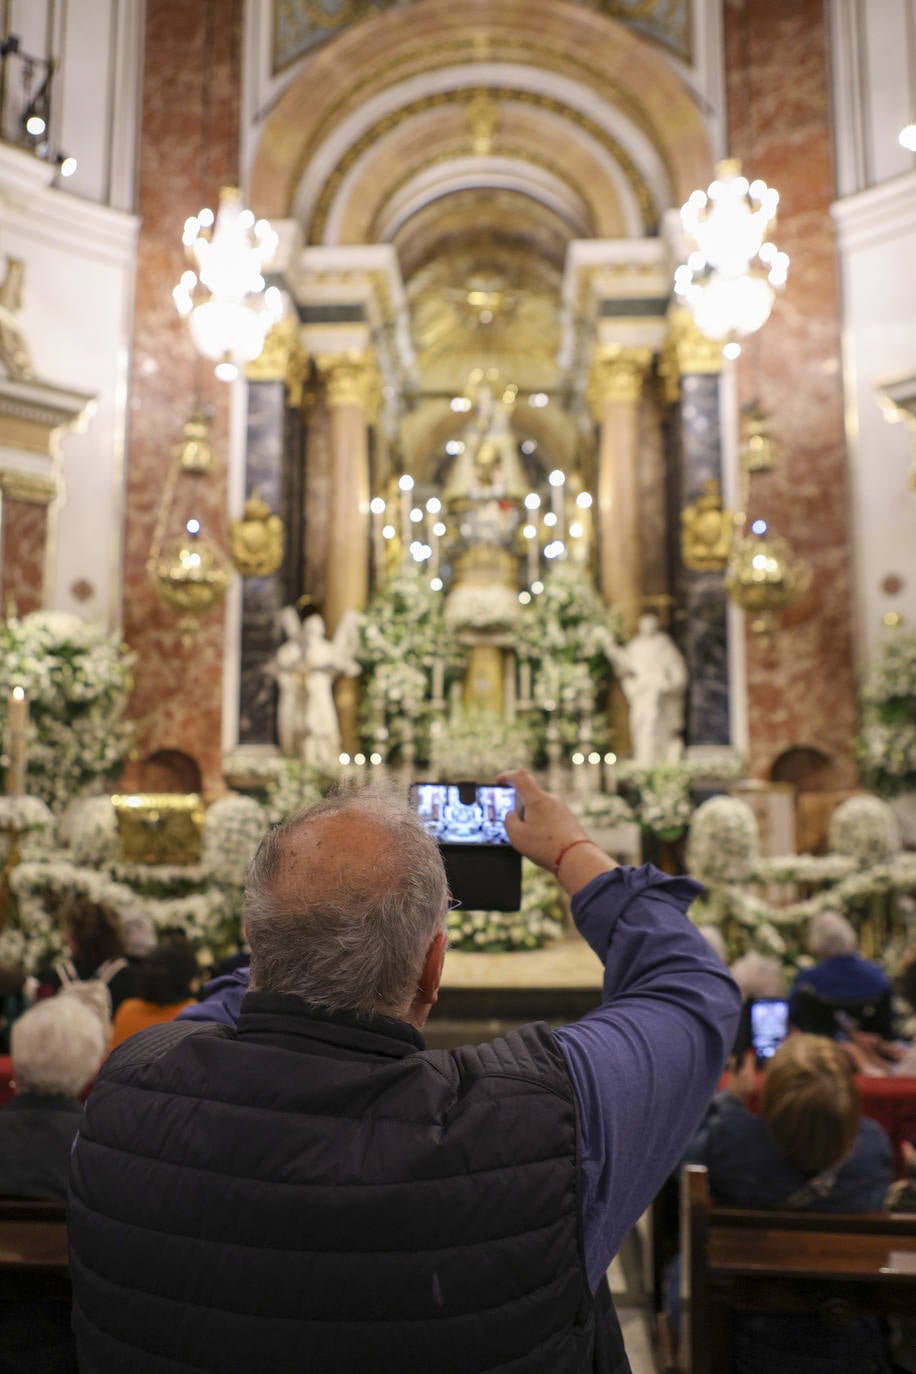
<point>693,365</point>
<point>351,386</point>
<point>262,597</point>
<point>615,388</point>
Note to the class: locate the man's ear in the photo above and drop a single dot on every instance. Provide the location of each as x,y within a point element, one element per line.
<point>431,973</point>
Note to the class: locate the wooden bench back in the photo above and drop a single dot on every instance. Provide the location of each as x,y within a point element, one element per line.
<point>33,1237</point>
<point>833,1264</point>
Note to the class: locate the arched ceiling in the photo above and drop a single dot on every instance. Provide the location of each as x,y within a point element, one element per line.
<point>480,141</point>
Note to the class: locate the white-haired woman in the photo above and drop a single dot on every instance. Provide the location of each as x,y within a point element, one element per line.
<point>56,1048</point>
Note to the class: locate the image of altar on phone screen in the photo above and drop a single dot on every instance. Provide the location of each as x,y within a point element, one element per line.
<point>459,814</point>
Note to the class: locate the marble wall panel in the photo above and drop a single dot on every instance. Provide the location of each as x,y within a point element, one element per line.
<point>188,150</point>
<point>704,639</point>
<point>800,689</point>
<point>262,597</point>
<point>25,526</point>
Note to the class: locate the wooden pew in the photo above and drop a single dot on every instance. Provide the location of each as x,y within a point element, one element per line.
<point>35,1295</point>
<point>836,1265</point>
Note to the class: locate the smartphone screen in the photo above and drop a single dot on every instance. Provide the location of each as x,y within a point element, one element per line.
<point>463,813</point>
<point>769,1026</point>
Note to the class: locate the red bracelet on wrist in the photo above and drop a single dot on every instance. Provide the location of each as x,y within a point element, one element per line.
<point>564,851</point>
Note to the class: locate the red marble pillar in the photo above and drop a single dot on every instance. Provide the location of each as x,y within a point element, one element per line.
<point>25,528</point>
<point>188,150</point>
<point>800,689</point>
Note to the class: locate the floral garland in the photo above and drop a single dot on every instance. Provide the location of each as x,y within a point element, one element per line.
<point>887,743</point>
<point>77,680</point>
<point>538,922</point>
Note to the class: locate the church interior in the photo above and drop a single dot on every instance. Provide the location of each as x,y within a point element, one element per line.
<point>396,393</point>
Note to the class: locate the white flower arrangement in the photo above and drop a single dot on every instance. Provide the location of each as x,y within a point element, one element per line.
<point>475,745</point>
<point>27,827</point>
<point>865,829</point>
<point>233,829</point>
<point>887,743</point>
<point>90,826</point>
<point>724,842</point>
<point>660,797</point>
<point>77,680</point>
<point>537,923</point>
<point>603,808</point>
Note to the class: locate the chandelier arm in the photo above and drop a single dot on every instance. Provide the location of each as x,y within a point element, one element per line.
<point>164,507</point>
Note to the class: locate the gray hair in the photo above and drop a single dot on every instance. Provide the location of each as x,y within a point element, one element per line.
<point>56,1046</point>
<point>139,932</point>
<point>759,975</point>
<point>358,941</point>
<point>830,934</point>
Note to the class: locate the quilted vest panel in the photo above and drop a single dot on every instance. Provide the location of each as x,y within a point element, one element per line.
<point>277,1201</point>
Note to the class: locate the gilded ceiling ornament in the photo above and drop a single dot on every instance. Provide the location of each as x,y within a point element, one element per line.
<point>457,50</point>
<point>482,119</point>
<point>465,95</point>
<point>706,531</point>
<point>256,541</point>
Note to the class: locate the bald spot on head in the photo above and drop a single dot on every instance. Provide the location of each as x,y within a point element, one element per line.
<point>344,851</point>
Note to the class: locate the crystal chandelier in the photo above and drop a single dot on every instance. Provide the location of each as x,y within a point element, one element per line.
<point>731,276</point>
<point>228,305</point>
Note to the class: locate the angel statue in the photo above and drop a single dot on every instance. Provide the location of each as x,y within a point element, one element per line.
<point>653,676</point>
<point>306,667</point>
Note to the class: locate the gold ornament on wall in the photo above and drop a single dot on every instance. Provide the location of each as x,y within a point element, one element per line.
<point>256,542</point>
<point>707,531</point>
<point>189,571</point>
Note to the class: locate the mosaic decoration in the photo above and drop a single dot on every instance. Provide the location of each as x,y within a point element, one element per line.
<point>299,26</point>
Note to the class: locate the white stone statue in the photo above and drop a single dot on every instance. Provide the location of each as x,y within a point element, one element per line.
<point>306,667</point>
<point>653,675</point>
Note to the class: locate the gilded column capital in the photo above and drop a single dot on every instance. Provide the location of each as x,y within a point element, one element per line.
<point>33,487</point>
<point>686,352</point>
<point>350,380</point>
<point>617,374</point>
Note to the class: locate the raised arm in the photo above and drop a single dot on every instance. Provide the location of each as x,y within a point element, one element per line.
<point>645,1063</point>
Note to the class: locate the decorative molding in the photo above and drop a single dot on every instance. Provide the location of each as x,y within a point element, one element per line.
<point>468,96</point>
<point>32,413</point>
<point>33,487</point>
<point>872,218</point>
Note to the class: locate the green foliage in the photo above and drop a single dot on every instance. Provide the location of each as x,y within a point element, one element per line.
<point>887,743</point>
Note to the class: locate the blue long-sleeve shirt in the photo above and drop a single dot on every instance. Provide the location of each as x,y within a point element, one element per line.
<point>646,1062</point>
<point>643,1064</point>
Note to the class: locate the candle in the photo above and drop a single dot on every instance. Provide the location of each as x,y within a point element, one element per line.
<point>610,772</point>
<point>438,683</point>
<point>524,683</point>
<point>509,687</point>
<point>377,508</point>
<point>557,480</point>
<point>405,486</point>
<point>531,534</point>
<point>17,722</point>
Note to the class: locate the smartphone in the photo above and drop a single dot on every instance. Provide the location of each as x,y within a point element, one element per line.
<point>769,1026</point>
<point>468,821</point>
<point>463,812</point>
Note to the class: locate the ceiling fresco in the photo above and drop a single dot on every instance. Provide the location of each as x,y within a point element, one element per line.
<point>300,26</point>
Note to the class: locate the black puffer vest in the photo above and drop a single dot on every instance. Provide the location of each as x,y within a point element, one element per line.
<point>320,1193</point>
